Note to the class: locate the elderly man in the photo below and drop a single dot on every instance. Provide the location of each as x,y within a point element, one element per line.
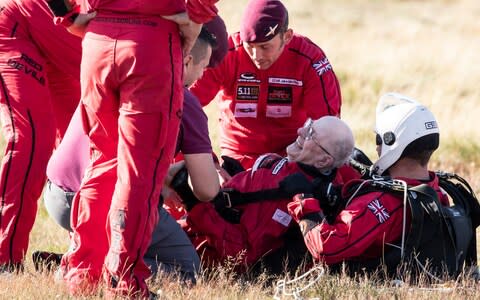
<point>249,217</point>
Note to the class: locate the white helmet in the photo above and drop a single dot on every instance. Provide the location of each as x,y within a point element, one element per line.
<point>399,121</point>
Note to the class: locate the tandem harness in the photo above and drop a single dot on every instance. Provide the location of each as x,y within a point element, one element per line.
<point>227,199</point>
<point>441,240</point>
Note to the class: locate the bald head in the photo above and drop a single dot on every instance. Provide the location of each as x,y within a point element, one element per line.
<point>337,138</point>
<point>326,143</point>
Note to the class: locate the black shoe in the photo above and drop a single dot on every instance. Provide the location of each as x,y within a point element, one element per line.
<point>46,261</point>
<point>11,268</point>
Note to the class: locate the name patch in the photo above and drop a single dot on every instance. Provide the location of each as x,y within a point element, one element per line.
<point>285,81</point>
<point>282,217</point>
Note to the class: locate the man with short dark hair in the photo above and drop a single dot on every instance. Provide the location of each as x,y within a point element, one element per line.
<point>270,82</point>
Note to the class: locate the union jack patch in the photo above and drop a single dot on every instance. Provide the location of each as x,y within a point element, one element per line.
<point>378,210</point>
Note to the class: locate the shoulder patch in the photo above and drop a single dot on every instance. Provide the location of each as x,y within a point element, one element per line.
<point>322,66</point>
<point>380,212</point>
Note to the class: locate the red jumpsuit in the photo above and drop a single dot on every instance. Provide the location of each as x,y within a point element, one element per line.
<point>261,110</point>
<point>39,89</point>
<point>131,77</point>
<point>262,223</point>
<point>362,229</point>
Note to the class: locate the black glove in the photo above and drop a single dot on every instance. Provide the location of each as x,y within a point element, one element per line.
<point>329,196</point>
<point>231,165</point>
<point>180,185</point>
<point>296,183</point>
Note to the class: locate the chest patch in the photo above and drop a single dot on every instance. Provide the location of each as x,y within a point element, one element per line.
<point>248,92</point>
<point>279,95</point>
<point>285,81</point>
<point>245,110</point>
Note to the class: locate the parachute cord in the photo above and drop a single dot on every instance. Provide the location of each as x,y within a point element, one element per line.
<point>357,190</point>
<point>281,287</point>
<point>404,221</point>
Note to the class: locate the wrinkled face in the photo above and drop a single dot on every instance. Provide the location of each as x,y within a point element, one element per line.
<point>193,69</point>
<point>307,148</point>
<point>263,55</point>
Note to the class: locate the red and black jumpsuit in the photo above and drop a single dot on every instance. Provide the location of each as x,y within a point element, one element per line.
<point>39,90</point>
<point>261,110</point>
<point>131,76</point>
<point>362,229</point>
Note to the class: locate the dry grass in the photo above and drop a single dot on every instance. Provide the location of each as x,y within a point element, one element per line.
<point>426,49</point>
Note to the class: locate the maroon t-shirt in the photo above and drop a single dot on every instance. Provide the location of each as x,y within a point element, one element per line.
<point>193,135</point>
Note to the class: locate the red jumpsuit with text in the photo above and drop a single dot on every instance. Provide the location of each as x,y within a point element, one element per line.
<point>262,223</point>
<point>261,110</point>
<point>362,229</point>
<point>131,77</point>
<point>39,90</point>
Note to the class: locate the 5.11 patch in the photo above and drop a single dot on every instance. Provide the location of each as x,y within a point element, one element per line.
<point>248,92</point>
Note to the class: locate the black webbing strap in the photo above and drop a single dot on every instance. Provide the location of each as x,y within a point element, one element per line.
<point>232,198</point>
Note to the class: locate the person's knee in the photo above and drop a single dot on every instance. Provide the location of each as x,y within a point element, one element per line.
<point>58,204</point>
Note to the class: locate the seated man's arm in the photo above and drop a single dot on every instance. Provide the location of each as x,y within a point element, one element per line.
<point>359,231</point>
<point>203,175</point>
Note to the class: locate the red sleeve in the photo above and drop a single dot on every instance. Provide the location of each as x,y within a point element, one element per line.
<point>228,239</point>
<point>201,11</point>
<point>321,86</point>
<point>359,231</point>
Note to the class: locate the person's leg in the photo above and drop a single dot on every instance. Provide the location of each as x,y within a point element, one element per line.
<point>82,266</point>
<point>150,61</point>
<point>58,203</point>
<point>29,132</point>
<point>171,251</point>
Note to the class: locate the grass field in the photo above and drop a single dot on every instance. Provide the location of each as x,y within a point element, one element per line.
<point>427,49</point>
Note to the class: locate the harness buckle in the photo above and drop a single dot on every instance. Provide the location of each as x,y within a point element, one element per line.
<point>226,197</point>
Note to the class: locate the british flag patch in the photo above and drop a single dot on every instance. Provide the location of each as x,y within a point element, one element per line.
<point>378,210</point>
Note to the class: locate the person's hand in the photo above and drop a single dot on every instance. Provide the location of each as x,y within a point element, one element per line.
<point>231,165</point>
<point>171,198</point>
<point>302,206</point>
<point>172,171</point>
<point>189,30</point>
<point>295,183</point>
<point>80,23</point>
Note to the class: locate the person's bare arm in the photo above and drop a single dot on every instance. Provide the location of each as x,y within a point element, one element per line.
<point>203,175</point>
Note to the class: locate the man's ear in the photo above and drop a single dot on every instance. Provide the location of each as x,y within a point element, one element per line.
<point>324,162</point>
<point>287,36</point>
<point>188,59</point>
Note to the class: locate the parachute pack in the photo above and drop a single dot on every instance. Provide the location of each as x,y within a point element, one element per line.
<point>440,242</point>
